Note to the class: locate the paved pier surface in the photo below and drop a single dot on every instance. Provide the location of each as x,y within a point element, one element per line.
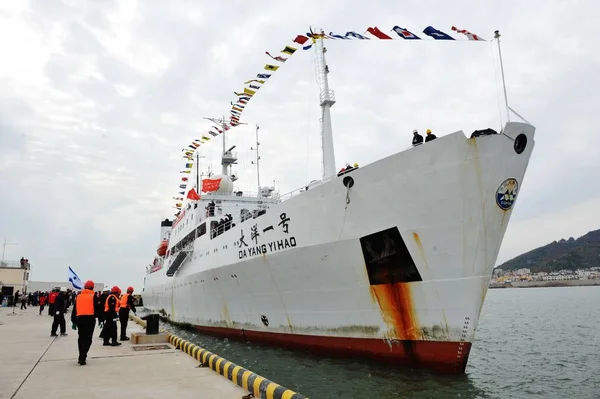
<point>35,365</point>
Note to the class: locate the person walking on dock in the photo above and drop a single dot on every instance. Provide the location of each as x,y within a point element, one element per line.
<point>42,303</point>
<point>84,319</point>
<point>59,309</point>
<point>126,305</point>
<point>111,315</point>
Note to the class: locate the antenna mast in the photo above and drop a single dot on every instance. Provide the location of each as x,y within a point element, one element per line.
<point>327,99</point>
<point>497,37</point>
<point>257,162</point>
<point>198,171</point>
<point>4,248</point>
<point>227,157</point>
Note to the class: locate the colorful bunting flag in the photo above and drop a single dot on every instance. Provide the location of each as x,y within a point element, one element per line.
<point>205,138</point>
<point>185,171</point>
<point>193,195</point>
<point>378,34</point>
<point>254,80</point>
<point>263,75</point>
<point>356,36</point>
<point>249,92</point>
<point>269,67</point>
<point>437,34</point>
<point>469,35</point>
<point>289,50</point>
<point>334,36</point>
<point>212,133</point>
<point>278,58</point>
<point>189,165</point>
<point>405,33</point>
<point>184,179</point>
<point>300,39</point>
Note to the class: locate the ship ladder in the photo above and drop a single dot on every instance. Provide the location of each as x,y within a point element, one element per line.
<point>181,257</point>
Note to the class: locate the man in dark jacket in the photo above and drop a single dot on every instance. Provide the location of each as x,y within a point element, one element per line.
<point>111,315</point>
<point>430,136</point>
<point>101,316</point>
<point>417,138</point>
<point>59,309</point>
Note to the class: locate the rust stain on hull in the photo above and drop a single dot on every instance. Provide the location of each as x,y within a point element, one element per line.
<point>395,302</point>
<point>421,249</point>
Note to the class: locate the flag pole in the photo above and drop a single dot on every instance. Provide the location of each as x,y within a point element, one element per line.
<point>197,171</point>
<point>497,37</point>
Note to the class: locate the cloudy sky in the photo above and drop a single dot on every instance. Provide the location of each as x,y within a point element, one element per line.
<point>97,98</point>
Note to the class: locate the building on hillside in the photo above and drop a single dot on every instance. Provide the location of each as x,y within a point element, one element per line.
<point>560,277</point>
<point>14,276</point>
<point>498,272</point>
<point>46,286</point>
<point>521,272</point>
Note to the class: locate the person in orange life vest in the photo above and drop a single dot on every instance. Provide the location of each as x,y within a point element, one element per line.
<point>84,319</point>
<point>111,315</point>
<point>126,305</point>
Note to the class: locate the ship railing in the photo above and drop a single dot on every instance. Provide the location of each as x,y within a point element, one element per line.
<point>306,187</point>
<point>14,264</point>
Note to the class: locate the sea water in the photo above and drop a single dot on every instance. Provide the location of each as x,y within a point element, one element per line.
<point>530,343</point>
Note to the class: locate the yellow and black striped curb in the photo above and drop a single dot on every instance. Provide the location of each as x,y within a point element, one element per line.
<point>259,386</point>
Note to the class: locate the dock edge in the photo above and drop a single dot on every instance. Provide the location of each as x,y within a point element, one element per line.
<point>259,386</point>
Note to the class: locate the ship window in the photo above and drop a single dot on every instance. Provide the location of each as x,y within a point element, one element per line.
<point>213,228</point>
<point>387,258</point>
<point>201,229</point>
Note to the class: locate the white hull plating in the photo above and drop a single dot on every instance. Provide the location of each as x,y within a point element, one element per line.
<point>313,280</point>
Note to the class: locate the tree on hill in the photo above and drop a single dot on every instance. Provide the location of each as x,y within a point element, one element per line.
<point>571,254</point>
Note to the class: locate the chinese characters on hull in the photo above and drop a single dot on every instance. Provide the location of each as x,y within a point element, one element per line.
<point>263,248</point>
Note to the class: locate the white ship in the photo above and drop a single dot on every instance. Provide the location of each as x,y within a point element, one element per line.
<point>391,260</point>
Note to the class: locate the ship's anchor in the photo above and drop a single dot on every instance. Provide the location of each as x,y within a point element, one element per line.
<point>348,181</point>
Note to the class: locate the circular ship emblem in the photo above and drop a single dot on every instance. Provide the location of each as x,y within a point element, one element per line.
<point>507,193</point>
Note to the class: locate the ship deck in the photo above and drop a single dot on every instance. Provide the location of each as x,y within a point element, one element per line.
<point>37,365</point>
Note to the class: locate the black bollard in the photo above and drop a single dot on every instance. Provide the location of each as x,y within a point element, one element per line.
<point>151,324</point>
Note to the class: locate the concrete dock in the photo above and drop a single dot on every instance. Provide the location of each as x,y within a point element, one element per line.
<point>33,364</point>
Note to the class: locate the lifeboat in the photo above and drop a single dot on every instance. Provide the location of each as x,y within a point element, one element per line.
<point>162,248</point>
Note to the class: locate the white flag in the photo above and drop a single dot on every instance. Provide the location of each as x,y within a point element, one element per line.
<point>74,279</point>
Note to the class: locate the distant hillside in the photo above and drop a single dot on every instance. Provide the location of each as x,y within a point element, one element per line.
<point>570,254</point>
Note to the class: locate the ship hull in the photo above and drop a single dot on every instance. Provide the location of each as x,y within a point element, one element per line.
<point>395,267</point>
<point>441,356</point>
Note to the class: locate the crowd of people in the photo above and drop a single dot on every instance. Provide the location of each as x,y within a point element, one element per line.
<point>107,307</point>
<point>41,299</point>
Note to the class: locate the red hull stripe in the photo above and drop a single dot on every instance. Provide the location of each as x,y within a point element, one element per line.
<point>442,356</point>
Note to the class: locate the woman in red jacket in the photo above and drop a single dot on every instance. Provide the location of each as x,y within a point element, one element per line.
<point>43,300</point>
